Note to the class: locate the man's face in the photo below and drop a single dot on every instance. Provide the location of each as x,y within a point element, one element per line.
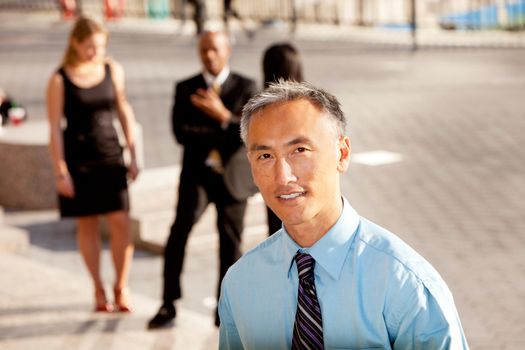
<point>296,159</point>
<point>215,51</point>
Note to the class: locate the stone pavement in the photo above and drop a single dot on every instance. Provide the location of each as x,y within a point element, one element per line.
<point>45,307</point>
<point>451,116</point>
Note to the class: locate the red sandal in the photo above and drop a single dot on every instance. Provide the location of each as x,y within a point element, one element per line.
<point>122,302</point>
<point>101,303</point>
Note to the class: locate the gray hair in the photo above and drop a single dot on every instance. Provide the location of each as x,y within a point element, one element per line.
<point>287,91</point>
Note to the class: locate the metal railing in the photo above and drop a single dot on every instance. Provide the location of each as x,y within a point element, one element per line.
<point>477,14</point>
<point>398,14</point>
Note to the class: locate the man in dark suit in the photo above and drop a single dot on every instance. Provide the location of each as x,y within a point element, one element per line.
<point>206,116</point>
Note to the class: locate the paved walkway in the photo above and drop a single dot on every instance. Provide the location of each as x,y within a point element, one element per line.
<point>48,308</point>
<point>450,115</point>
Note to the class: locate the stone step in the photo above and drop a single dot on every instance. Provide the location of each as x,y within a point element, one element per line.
<point>153,199</point>
<point>13,239</point>
<point>155,189</point>
<point>151,229</point>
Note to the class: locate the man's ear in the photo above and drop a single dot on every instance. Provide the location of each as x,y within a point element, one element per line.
<point>343,148</point>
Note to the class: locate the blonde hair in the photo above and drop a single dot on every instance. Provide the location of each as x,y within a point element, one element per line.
<point>83,29</point>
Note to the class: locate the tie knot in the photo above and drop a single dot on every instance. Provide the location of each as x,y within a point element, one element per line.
<point>305,265</point>
<point>216,87</point>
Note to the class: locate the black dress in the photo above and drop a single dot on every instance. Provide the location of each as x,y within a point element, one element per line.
<point>92,151</point>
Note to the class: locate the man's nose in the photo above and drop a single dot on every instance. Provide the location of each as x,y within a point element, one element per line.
<point>209,54</point>
<point>283,172</point>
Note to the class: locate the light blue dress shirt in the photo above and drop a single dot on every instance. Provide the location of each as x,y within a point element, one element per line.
<point>374,290</point>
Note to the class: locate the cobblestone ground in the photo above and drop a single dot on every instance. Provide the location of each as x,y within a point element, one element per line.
<point>455,115</point>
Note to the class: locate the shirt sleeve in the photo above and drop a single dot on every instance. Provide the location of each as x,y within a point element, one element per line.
<point>429,320</point>
<point>229,338</point>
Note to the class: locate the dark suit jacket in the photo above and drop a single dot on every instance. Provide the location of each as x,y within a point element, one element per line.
<point>199,134</point>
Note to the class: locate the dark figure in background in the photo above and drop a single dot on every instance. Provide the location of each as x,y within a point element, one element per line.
<point>199,14</point>
<point>206,118</point>
<point>229,11</point>
<point>11,111</point>
<point>280,61</point>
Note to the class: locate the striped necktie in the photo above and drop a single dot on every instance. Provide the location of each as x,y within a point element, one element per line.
<point>308,327</point>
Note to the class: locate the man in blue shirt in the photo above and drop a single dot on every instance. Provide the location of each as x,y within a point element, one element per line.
<point>328,278</point>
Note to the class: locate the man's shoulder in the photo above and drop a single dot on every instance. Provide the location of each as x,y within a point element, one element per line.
<point>192,80</point>
<point>382,245</point>
<point>381,239</point>
<point>240,78</point>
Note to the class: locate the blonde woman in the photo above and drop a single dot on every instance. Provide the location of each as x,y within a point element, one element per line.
<point>91,178</point>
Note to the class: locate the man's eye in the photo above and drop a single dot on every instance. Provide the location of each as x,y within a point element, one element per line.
<point>300,150</point>
<point>265,156</point>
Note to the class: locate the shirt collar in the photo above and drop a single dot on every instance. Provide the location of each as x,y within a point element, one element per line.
<point>331,250</point>
<point>220,78</point>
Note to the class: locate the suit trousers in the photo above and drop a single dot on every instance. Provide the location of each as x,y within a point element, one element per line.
<point>196,191</point>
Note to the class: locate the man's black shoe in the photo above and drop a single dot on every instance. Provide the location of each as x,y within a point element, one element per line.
<point>164,317</point>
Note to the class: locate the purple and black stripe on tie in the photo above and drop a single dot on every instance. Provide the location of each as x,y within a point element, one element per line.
<point>308,327</point>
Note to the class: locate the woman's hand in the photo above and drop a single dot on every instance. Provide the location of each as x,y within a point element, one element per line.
<point>64,185</point>
<point>133,170</point>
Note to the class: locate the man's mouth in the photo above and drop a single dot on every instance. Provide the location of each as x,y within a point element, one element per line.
<point>291,195</point>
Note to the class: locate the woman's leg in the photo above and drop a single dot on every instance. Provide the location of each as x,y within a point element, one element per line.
<point>89,245</point>
<point>122,253</point>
